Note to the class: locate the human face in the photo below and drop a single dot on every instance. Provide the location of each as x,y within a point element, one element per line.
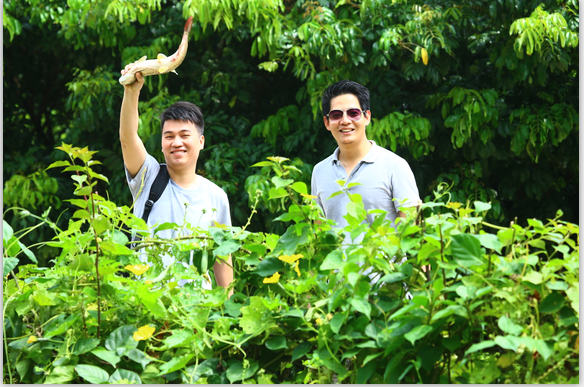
<point>181,144</point>
<point>347,131</point>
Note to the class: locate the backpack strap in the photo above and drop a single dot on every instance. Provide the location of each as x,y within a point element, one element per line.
<point>156,190</point>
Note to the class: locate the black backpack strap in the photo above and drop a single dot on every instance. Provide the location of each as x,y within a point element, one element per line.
<point>156,190</point>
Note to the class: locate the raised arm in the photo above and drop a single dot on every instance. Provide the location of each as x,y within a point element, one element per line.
<point>133,150</point>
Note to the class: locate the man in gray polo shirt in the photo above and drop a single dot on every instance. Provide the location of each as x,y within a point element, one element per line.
<point>188,197</point>
<point>383,175</point>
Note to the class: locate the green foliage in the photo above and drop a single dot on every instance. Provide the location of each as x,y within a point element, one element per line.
<point>497,305</point>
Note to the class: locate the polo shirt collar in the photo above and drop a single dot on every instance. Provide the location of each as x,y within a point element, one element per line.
<point>369,158</point>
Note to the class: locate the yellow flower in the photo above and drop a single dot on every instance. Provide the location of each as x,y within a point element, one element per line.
<point>31,339</point>
<point>137,269</point>
<point>308,196</point>
<point>144,333</point>
<point>273,279</point>
<point>296,268</point>
<point>290,259</point>
<point>319,321</point>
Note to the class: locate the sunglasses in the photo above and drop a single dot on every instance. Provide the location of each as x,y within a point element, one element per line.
<point>354,114</point>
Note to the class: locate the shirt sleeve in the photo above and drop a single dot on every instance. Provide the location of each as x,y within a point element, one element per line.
<point>404,187</point>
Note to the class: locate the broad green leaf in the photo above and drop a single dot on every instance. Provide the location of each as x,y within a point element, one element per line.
<point>226,248</point>
<point>122,336</point>
<point>279,182</point>
<point>480,206</point>
<point>490,241</point>
<point>480,346</point>
<point>276,343</point>
<point>509,326</point>
<point>106,355</point>
<point>417,333</point>
<point>61,375</point>
<point>365,372</point>
<point>8,264</point>
<point>508,342</point>
<point>7,232</point>
<point>334,260</point>
<point>337,321</point>
<point>361,305</point>
<point>552,303</point>
<point>255,317</point>
<point>92,374</point>
<point>178,338</point>
<point>301,350</point>
<point>84,345</point>
<point>175,364</point>
<point>124,375</point>
<point>63,327</point>
<point>237,371</point>
<point>138,356</point>
<point>466,250</point>
<point>268,267</point>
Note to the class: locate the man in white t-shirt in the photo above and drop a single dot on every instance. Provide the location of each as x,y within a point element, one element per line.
<point>187,197</point>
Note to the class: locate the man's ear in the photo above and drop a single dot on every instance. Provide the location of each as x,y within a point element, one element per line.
<point>202,140</point>
<point>326,122</point>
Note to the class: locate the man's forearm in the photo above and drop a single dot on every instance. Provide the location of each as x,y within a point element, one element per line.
<point>224,273</point>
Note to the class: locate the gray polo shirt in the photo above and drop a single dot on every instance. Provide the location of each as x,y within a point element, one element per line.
<point>205,204</point>
<point>383,176</point>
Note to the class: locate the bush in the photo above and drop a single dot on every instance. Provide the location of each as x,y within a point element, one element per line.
<point>498,305</point>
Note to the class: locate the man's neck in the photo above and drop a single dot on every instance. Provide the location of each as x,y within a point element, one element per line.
<point>185,178</point>
<point>351,154</point>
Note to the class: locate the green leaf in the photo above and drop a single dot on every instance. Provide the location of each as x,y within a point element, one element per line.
<point>256,317</point>
<point>61,375</point>
<point>7,232</point>
<point>334,260</point>
<point>175,364</point>
<point>84,345</point>
<point>280,183</point>
<point>552,303</point>
<point>300,350</point>
<point>337,321</point>
<point>122,336</point>
<point>361,305</point>
<point>508,342</point>
<point>137,356</point>
<point>509,326</point>
<point>275,343</point>
<point>63,327</point>
<point>365,372</point>
<point>268,267</point>
<point>466,250</point>
<point>8,264</point>
<point>417,333</point>
<point>226,248</point>
<point>179,338</point>
<point>106,355</point>
<point>490,241</point>
<point>237,372</point>
<point>126,376</point>
<point>92,374</point>
<point>480,346</point>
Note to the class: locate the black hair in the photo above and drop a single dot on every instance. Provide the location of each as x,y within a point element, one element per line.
<point>345,87</point>
<point>186,112</point>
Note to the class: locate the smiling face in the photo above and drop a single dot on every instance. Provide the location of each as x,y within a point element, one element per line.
<point>181,144</point>
<point>347,132</point>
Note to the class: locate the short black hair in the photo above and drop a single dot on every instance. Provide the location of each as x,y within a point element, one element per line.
<point>186,112</point>
<point>345,87</point>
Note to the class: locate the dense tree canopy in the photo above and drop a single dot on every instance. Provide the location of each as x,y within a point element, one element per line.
<point>480,95</point>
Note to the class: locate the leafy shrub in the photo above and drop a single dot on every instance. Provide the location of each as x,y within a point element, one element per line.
<point>499,304</point>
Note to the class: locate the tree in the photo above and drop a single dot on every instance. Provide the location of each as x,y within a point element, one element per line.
<point>480,95</point>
